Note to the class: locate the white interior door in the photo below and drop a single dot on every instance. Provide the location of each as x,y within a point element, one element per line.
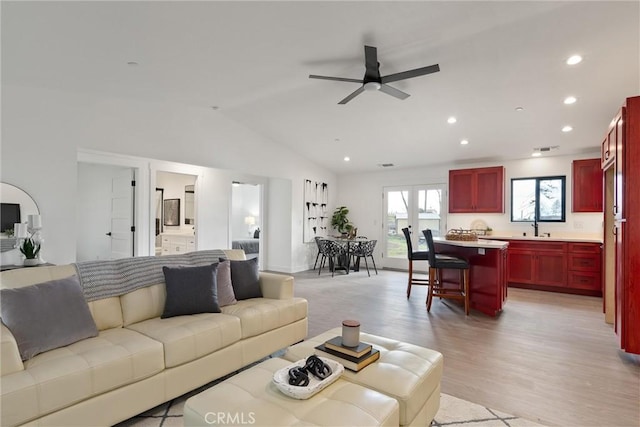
<point>122,203</point>
<point>416,207</point>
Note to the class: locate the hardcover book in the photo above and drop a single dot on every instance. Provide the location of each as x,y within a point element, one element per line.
<point>335,344</point>
<point>352,363</point>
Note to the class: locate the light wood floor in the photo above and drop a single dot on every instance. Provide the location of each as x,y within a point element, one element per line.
<point>548,357</point>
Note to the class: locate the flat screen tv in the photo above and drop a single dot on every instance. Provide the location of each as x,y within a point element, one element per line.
<point>9,215</point>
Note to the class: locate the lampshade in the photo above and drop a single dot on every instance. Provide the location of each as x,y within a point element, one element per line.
<point>35,222</point>
<point>250,220</point>
<point>20,230</point>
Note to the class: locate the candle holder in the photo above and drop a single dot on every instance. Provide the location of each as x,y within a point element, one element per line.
<point>350,333</point>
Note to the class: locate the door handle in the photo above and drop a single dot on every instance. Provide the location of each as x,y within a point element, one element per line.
<point>108,234</point>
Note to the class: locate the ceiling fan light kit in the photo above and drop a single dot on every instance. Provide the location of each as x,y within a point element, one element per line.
<point>372,81</point>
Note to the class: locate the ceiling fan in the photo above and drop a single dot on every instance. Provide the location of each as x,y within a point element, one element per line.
<point>372,79</point>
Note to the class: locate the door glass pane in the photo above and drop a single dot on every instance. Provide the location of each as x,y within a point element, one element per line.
<point>397,219</point>
<point>429,207</point>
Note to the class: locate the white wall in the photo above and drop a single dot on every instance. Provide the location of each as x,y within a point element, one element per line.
<point>362,194</point>
<point>42,131</point>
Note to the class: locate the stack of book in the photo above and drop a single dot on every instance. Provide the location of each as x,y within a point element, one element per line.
<point>352,358</point>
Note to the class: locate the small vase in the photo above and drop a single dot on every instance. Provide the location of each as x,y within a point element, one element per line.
<point>30,262</point>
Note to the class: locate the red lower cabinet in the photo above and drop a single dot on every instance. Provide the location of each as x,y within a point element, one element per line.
<point>555,266</point>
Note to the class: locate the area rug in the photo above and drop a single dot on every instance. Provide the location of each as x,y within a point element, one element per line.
<point>453,412</point>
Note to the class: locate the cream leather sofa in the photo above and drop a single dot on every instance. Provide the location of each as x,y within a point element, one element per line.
<point>138,360</point>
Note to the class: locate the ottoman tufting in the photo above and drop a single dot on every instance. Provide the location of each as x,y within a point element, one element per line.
<point>251,398</point>
<point>409,373</point>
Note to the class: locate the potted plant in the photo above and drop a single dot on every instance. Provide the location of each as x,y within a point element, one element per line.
<point>30,249</point>
<point>340,222</point>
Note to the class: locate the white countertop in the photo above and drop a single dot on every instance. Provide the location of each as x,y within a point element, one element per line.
<point>480,243</point>
<point>548,239</point>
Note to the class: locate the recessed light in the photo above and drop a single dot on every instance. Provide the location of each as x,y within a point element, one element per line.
<point>570,100</point>
<point>451,120</point>
<point>464,142</point>
<point>347,159</point>
<point>519,109</point>
<point>567,129</point>
<point>536,154</point>
<point>573,60</point>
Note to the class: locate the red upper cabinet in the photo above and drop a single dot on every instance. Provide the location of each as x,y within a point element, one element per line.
<point>476,190</point>
<point>587,186</point>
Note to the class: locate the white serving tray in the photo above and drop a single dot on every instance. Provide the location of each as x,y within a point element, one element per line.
<point>281,380</point>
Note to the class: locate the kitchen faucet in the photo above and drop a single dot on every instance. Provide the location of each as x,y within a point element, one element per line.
<point>535,226</point>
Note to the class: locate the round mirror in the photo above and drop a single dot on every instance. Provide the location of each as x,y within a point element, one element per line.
<point>17,205</point>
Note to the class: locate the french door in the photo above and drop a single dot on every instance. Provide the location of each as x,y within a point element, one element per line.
<point>417,207</point>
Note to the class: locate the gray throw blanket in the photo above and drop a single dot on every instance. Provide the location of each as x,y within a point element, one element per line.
<point>112,278</point>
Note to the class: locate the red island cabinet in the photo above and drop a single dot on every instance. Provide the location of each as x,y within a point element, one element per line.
<point>476,190</point>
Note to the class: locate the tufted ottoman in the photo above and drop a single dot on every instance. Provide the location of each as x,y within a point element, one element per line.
<point>408,373</point>
<point>251,398</point>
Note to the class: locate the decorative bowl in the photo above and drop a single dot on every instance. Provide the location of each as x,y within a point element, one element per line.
<point>281,380</point>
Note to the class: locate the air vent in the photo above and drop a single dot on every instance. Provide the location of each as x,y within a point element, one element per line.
<point>386,165</point>
<point>546,149</point>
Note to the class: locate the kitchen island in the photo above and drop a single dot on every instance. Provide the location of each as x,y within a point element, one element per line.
<point>487,272</point>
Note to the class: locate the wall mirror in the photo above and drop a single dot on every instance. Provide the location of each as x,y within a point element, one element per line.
<point>189,204</point>
<point>172,212</point>
<point>19,205</point>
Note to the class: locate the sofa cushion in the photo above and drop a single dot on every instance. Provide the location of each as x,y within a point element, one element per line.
<point>260,315</point>
<point>190,290</point>
<point>47,315</point>
<point>62,377</point>
<point>225,288</point>
<point>245,279</point>
<point>186,338</point>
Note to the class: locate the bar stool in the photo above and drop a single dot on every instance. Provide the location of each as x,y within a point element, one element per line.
<point>438,262</point>
<point>414,256</point>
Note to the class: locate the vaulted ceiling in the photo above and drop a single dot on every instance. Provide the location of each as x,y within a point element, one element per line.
<point>251,60</point>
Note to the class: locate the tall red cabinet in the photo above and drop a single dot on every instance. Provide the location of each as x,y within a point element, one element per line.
<point>621,162</point>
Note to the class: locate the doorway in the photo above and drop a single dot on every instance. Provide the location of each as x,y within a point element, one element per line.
<point>246,218</point>
<point>106,212</point>
<point>175,214</point>
<point>417,207</point>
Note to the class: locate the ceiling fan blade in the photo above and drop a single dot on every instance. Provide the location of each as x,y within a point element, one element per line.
<point>410,74</point>
<point>393,91</point>
<point>353,95</point>
<point>338,79</point>
<point>371,63</point>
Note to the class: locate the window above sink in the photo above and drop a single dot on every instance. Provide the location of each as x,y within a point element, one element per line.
<point>538,199</point>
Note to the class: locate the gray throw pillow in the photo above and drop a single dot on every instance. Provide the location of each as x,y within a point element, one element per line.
<point>225,288</point>
<point>245,279</point>
<point>190,290</point>
<point>47,315</point>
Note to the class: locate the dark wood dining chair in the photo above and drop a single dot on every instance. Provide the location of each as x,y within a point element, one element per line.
<point>439,262</point>
<point>414,256</point>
